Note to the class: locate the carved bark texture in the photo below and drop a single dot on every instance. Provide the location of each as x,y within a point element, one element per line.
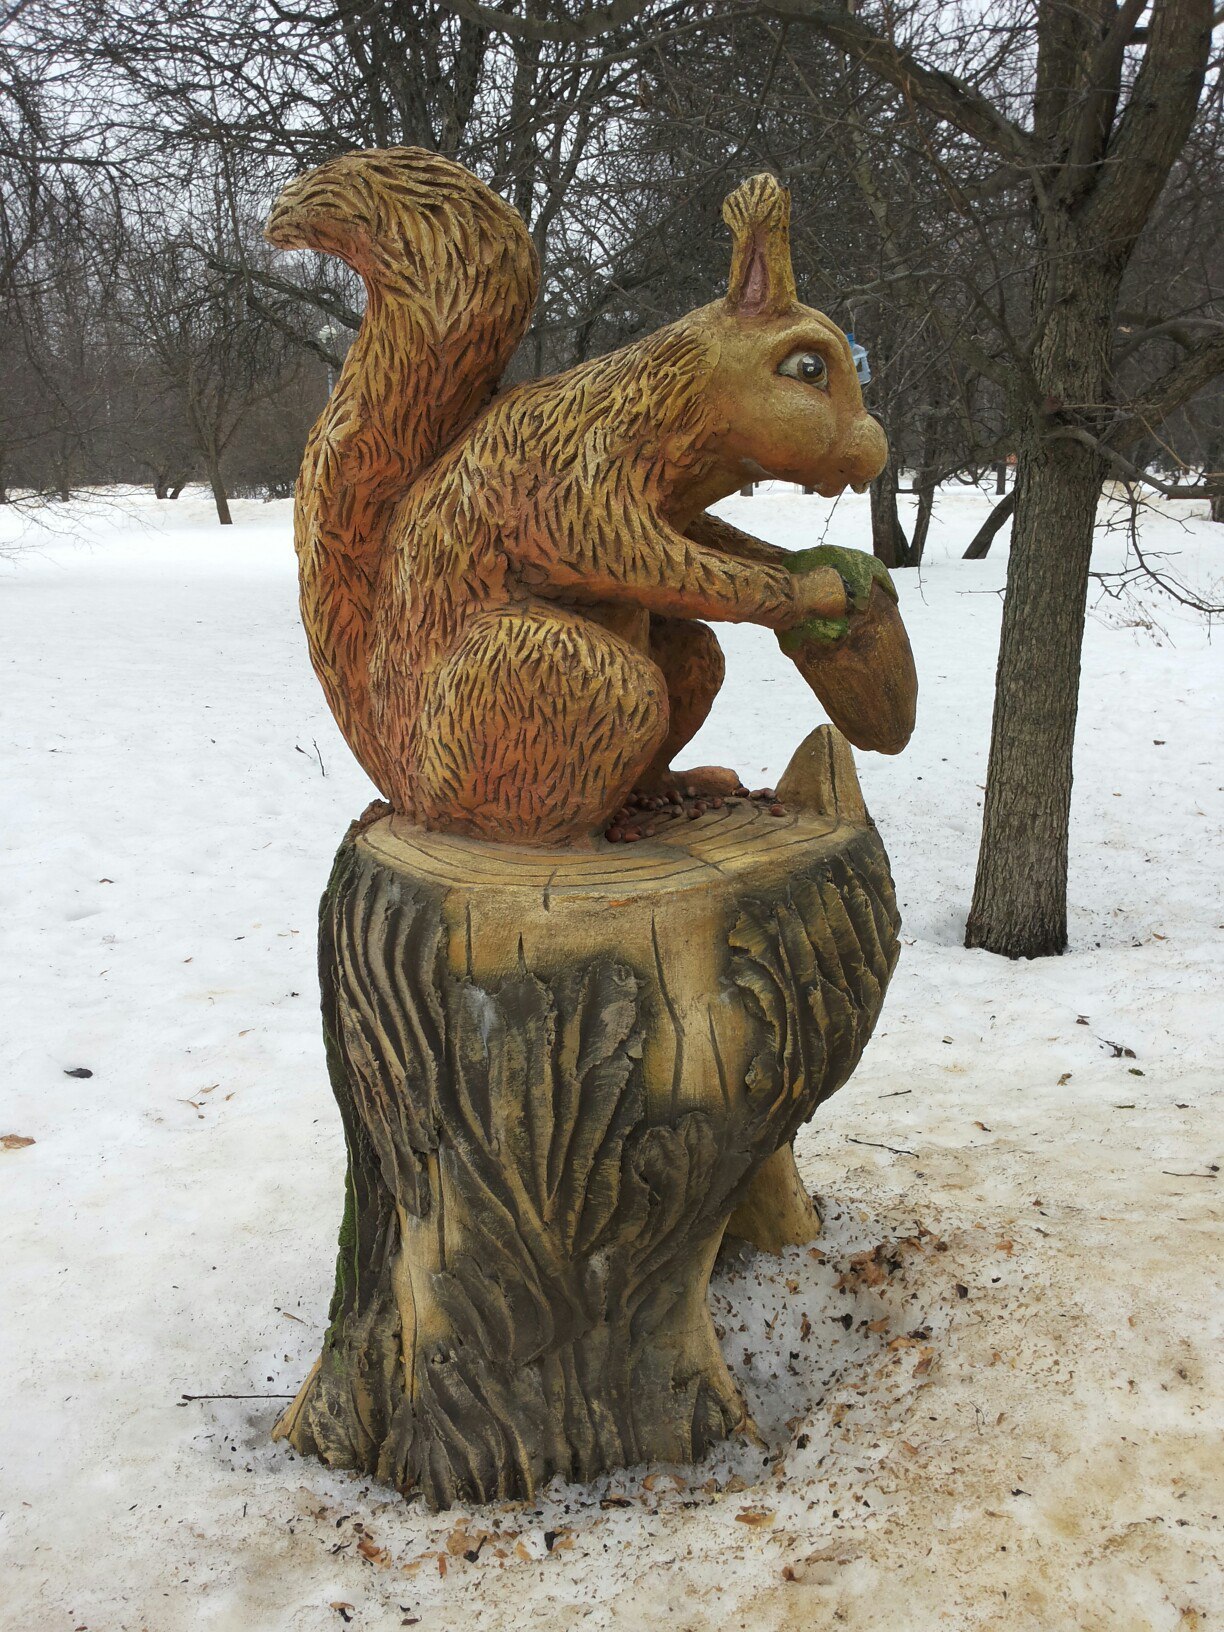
<point>558,1073</point>
<point>777,1210</point>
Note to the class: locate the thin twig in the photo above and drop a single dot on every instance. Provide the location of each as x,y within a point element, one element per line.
<point>896,1149</point>
<point>185,1397</point>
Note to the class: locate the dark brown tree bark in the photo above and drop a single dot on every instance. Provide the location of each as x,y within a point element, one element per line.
<point>217,483</point>
<point>924,489</point>
<point>888,540</point>
<point>1020,893</point>
<point>979,545</point>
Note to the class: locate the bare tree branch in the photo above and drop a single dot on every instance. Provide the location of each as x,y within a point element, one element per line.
<point>939,92</point>
<point>1135,473</point>
<point>1202,364</point>
<point>1155,122</point>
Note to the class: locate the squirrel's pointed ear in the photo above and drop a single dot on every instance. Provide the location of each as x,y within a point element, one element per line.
<point>762,279</point>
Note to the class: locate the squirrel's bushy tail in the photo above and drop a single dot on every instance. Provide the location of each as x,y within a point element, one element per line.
<point>451,276</point>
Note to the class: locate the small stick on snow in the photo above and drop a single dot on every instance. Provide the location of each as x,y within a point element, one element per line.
<point>183,1399</point>
<point>896,1149</point>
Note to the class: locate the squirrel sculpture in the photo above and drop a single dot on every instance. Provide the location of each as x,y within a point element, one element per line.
<point>504,595</point>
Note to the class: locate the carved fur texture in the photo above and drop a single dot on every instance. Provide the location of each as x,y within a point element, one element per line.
<point>496,593</point>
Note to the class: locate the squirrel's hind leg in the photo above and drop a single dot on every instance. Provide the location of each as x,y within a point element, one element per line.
<point>691,662</point>
<point>535,728</point>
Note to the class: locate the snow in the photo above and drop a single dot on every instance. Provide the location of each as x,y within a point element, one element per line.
<point>1004,1412</point>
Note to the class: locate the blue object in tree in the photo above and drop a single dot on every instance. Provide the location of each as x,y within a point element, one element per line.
<point>862,367</point>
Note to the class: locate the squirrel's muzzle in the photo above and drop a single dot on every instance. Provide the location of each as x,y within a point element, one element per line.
<point>855,463</point>
<point>865,453</point>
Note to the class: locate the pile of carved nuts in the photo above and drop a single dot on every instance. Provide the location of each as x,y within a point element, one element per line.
<point>643,814</point>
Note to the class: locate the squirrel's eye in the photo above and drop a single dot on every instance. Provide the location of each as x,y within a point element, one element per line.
<point>808,366</point>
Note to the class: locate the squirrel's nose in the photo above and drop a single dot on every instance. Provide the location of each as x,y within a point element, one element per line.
<point>866,453</point>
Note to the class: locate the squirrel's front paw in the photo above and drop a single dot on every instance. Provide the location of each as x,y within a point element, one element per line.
<point>857,569</point>
<point>821,606</point>
<point>834,584</point>
<point>820,594</point>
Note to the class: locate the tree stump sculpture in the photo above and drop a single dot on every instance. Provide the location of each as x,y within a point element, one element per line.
<point>575,1003</point>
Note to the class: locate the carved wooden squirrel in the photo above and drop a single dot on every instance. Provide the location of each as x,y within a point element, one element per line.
<point>502,594</point>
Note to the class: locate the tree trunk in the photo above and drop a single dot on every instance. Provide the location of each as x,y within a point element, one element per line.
<point>979,546</point>
<point>924,487</point>
<point>888,540</point>
<point>559,1072</point>
<point>1020,893</point>
<point>220,496</point>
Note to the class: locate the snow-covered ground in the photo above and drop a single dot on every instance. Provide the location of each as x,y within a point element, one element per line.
<point>990,1399</point>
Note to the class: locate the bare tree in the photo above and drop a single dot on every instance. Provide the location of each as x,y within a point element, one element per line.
<point>1021,201</point>
<point>1086,110</point>
<point>208,354</point>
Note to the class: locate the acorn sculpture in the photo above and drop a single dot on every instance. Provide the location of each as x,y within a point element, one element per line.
<point>576,1003</point>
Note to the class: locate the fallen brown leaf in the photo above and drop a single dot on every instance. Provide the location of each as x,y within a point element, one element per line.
<point>15,1141</point>
<point>755,1516</point>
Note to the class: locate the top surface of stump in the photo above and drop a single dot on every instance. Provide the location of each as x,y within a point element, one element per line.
<point>740,839</point>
